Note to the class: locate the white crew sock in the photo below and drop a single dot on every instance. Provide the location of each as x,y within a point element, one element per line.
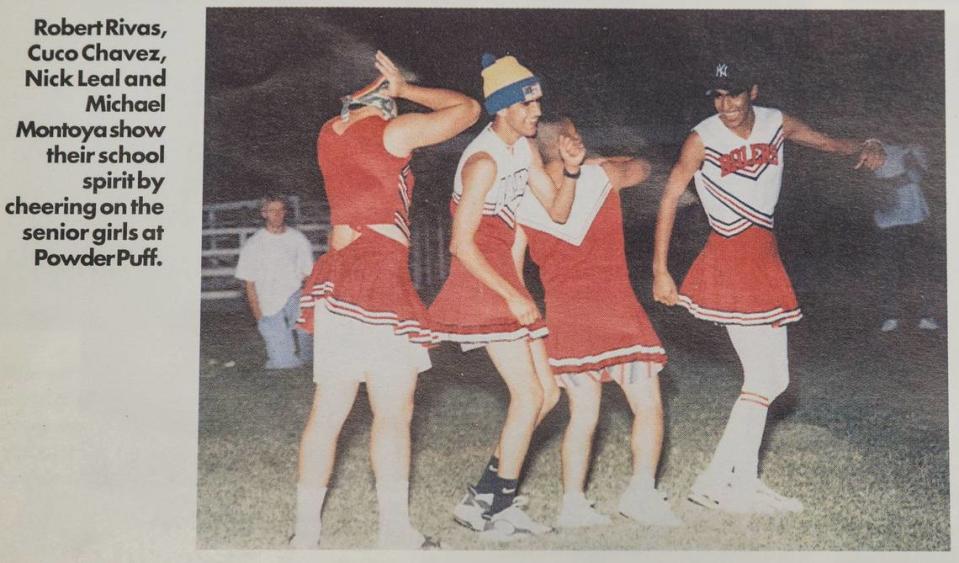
<point>642,483</point>
<point>309,508</point>
<point>738,450</point>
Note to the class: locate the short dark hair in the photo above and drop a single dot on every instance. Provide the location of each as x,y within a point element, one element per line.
<point>271,197</point>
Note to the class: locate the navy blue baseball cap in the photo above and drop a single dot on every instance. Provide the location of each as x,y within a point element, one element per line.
<point>730,75</point>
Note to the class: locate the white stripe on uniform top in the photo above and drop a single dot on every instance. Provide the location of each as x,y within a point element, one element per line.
<point>728,229</point>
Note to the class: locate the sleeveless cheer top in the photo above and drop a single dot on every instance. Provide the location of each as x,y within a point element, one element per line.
<point>375,189</point>
<point>739,180</point>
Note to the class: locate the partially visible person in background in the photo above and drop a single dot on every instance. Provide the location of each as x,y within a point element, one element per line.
<point>902,243</point>
<point>273,264</point>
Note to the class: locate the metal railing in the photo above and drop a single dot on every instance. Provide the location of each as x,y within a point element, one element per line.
<point>227,226</point>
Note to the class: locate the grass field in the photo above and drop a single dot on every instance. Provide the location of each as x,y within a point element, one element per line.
<point>860,437</point>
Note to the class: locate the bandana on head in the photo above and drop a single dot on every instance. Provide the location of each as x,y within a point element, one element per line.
<point>374,94</point>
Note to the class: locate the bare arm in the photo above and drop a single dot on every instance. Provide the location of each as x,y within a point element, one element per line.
<point>253,300</point>
<point>556,193</point>
<point>871,153</point>
<point>519,252</point>
<point>625,172</point>
<point>690,159</point>
<point>479,174</point>
<point>452,113</point>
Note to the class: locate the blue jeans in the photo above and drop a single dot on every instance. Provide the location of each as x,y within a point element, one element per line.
<point>277,331</point>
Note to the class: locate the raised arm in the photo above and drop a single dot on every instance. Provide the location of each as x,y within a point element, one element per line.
<point>690,159</point>
<point>452,112</point>
<point>479,174</point>
<point>557,194</point>
<point>871,153</point>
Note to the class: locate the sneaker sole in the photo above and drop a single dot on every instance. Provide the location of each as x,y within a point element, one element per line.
<point>645,522</point>
<point>709,503</point>
<point>467,524</point>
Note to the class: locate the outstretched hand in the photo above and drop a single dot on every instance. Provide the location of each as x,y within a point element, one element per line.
<point>391,73</point>
<point>872,155</point>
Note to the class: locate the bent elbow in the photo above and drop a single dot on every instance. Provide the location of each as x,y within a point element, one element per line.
<point>458,246</point>
<point>475,110</point>
<point>559,218</point>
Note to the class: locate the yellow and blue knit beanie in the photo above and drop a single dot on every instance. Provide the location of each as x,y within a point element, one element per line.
<point>506,82</point>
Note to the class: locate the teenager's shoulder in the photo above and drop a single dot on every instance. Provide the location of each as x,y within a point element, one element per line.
<point>768,114</point>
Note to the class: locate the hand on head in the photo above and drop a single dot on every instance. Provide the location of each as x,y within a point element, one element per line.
<point>391,73</point>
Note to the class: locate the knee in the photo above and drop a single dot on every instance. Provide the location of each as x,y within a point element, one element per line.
<point>769,387</point>
<point>398,413</point>
<point>778,385</point>
<point>550,398</point>
<point>528,399</point>
<point>584,416</point>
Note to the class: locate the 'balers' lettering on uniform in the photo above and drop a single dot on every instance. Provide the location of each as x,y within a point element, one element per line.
<point>759,154</point>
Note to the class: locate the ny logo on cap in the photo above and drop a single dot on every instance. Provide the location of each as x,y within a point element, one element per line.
<point>721,70</point>
<point>531,91</point>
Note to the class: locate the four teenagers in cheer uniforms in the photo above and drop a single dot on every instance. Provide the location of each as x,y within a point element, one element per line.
<point>370,326</point>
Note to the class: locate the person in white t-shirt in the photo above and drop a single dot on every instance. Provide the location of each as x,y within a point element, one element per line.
<point>273,264</point>
<point>899,218</point>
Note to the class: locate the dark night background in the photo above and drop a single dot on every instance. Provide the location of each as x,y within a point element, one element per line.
<point>633,81</point>
<point>861,434</point>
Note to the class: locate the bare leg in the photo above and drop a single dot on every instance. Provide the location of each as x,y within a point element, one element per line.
<point>544,374</point>
<point>584,399</point>
<point>391,399</point>
<point>641,501</point>
<point>332,403</point>
<point>641,387</point>
<point>514,363</point>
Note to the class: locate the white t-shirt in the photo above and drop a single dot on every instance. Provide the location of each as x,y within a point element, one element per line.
<point>277,264</point>
<point>900,195</point>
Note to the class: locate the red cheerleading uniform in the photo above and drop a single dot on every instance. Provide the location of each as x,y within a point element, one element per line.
<point>368,280</point>
<point>738,278</point>
<point>466,310</point>
<point>594,319</point>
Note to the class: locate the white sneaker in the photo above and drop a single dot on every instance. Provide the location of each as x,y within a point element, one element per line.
<point>407,538</point>
<point>305,541</point>
<point>648,506</point>
<point>579,513</point>
<point>778,501</point>
<point>889,325</point>
<point>512,523</point>
<point>469,512</point>
<point>730,496</point>
<point>928,323</point>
